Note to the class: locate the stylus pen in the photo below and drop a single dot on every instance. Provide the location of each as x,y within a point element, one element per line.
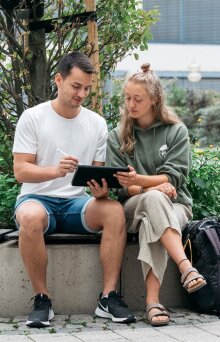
<point>65,154</point>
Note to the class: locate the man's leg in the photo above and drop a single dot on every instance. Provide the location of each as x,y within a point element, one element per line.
<point>32,219</point>
<point>110,215</point>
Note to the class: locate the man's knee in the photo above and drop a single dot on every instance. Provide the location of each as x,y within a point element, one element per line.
<point>31,216</point>
<point>114,213</point>
<point>115,209</point>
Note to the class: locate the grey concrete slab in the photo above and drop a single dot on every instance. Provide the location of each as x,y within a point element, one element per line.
<point>211,328</point>
<point>54,338</point>
<point>139,333</point>
<point>188,333</point>
<point>14,338</point>
<point>98,336</point>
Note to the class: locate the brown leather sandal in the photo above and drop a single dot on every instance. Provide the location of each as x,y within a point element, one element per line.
<point>161,311</point>
<point>186,281</point>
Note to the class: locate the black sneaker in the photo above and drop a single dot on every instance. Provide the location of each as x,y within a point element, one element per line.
<point>113,307</point>
<point>42,312</point>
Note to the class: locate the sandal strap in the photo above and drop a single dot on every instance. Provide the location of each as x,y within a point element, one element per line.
<point>155,306</point>
<point>195,277</point>
<point>161,311</point>
<point>185,274</point>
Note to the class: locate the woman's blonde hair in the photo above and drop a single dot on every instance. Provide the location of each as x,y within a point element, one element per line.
<point>152,85</point>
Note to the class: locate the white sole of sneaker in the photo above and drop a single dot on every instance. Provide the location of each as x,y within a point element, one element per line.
<point>40,324</point>
<point>103,314</point>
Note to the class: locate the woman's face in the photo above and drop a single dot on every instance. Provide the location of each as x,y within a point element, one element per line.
<point>138,101</point>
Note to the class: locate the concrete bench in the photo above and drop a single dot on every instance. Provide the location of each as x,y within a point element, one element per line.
<point>75,277</point>
<point>4,232</point>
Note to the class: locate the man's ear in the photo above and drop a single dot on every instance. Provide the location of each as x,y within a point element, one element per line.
<point>58,79</point>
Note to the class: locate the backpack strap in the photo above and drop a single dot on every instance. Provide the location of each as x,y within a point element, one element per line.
<point>214,240</point>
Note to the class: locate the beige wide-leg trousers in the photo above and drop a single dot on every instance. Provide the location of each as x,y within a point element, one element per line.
<point>151,213</point>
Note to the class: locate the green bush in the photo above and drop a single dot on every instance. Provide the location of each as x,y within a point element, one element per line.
<point>209,126</point>
<point>204,182</point>
<point>9,190</point>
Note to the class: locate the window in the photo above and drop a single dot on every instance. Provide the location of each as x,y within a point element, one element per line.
<point>186,21</point>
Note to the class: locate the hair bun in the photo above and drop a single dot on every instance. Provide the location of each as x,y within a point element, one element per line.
<point>145,67</point>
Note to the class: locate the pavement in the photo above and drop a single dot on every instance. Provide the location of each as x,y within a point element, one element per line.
<point>185,325</point>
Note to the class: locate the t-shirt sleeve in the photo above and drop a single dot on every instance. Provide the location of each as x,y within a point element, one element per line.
<point>25,140</point>
<point>100,154</point>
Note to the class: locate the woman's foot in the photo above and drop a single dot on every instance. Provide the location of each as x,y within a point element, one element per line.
<point>191,279</point>
<point>157,315</point>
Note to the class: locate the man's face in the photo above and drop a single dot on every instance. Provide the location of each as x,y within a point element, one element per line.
<point>74,88</point>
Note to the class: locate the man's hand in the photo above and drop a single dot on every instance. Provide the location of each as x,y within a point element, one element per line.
<point>98,191</point>
<point>67,164</point>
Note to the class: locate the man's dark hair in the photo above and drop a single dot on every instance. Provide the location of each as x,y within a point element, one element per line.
<point>75,59</point>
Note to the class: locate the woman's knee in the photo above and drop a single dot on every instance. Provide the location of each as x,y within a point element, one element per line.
<point>154,196</point>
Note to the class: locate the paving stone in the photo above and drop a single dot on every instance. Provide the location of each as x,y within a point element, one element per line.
<point>74,327</point>
<point>98,336</point>
<point>19,319</point>
<point>187,333</point>
<point>5,320</point>
<point>60,319</point>
<point>7,327</point>
<point>136,334</point>
<point>54,338</point>
<point>211,328</point>
<point>80,319</point>
<point>97,319</point>
<point>15,338</point>
<point>185,325</point>
<point>115,340</point>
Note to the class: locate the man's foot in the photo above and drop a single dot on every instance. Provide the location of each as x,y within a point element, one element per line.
<point>42,312</point>
<point>113,307</point>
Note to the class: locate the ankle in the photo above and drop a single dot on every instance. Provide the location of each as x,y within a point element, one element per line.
<point>184,264</point>
<point>151,300</point>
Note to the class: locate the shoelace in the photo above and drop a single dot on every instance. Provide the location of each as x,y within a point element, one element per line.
<point>39,303</point>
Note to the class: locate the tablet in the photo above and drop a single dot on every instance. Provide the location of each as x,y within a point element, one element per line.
<point>85,173</point>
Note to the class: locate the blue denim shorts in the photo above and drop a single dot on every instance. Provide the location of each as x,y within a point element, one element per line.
<point>65,215</point>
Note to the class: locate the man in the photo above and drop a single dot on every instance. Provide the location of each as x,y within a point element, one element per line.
<point>50,140</point>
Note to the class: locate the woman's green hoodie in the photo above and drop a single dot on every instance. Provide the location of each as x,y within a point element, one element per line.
<point>159,149</point>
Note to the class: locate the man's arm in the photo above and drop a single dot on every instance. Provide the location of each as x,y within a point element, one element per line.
<point>26,170</point>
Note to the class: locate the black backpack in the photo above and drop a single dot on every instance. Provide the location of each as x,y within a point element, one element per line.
<point>201,240</point>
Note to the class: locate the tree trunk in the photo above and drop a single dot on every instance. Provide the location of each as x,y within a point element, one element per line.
<point>38,66</point>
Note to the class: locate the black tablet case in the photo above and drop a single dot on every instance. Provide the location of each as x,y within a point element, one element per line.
<point>85,173</point>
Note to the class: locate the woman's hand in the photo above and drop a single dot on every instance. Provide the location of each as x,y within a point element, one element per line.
<point>127,179</point>
<point>167,188</point>
<point>98,191</point>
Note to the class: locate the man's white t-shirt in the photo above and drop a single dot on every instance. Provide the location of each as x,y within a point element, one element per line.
<point>40,131</point>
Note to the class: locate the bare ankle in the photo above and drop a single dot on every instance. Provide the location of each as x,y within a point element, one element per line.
<point>184,264</point>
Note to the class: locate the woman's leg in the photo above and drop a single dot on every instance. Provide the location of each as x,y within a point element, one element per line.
<point>172,242</point>
<point>152,297</point>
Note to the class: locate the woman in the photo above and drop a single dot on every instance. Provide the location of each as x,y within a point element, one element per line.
<point>154,143</point>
